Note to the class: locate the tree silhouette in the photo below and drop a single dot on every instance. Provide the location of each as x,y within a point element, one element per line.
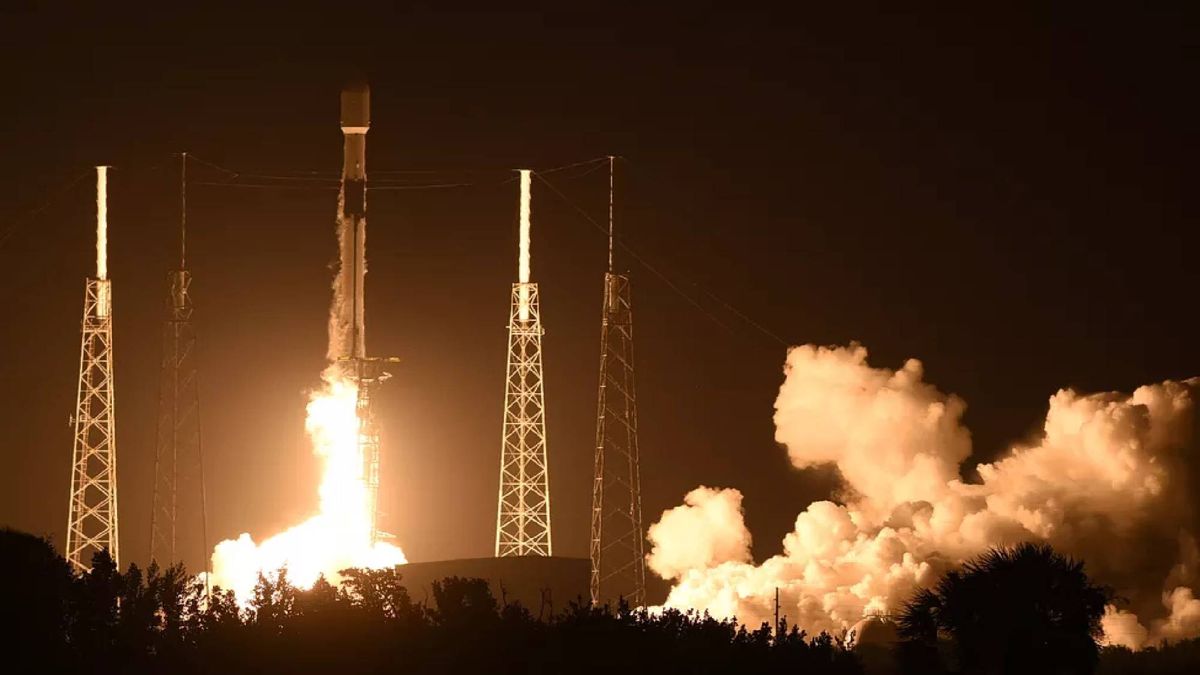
<point>35,586</point>
<point>1024,610</point>
<point>156,620</point>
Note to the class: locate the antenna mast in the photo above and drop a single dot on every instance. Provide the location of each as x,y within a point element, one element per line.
<point>617,542</point>
<point>179,518</point>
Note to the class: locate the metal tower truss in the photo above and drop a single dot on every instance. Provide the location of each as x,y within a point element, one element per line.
<point>523,512</point>
<point>178,523</point>
<point>368,373</point>
<point>92,516</point>
<point>617,555</point>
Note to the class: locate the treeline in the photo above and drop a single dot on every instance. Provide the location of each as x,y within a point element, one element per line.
<point>158,621</point>
<point>1025,610</point>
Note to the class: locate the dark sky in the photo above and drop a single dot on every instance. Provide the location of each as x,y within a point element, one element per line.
<point>1007,197</point>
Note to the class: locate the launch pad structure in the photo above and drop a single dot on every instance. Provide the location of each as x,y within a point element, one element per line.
<point>523,503</point>
<point>92,514</point>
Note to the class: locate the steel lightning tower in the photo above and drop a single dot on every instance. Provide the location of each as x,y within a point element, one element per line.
<point>618,558</point>
<point>347,331</point>
<point>523,511</point>
<point>179,509</point>
<point>92,515</point>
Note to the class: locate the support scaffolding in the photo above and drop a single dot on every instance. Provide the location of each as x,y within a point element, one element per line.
<point>523,515</point>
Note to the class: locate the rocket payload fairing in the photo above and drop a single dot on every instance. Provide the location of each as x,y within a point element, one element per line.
<point>346,329</point>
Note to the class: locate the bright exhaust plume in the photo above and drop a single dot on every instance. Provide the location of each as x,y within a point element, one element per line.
<point>339,535</point>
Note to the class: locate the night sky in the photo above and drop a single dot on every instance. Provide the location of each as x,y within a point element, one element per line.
<point>1009,198</point>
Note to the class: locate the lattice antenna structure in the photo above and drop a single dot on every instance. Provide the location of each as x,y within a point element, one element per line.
<point>92,514</point>
<point>179,518</point>
<point>523,510</point>
<point>617,551</point>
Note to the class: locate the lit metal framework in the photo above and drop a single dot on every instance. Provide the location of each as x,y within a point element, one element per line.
<point>367,373</point>
<point>617,551</point>
<point>92,514</point>
<point>179,508</point>
<point>523,513</point>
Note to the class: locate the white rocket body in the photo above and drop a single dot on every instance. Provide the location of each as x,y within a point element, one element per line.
<point>347,327</point>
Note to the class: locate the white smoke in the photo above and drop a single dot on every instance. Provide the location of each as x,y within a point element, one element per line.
<point>1108,481</point>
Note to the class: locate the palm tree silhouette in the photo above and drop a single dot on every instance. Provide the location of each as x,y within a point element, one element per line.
<point>1026,609</point>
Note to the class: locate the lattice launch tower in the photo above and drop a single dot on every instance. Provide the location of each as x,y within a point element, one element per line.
<point>92,514</point>
<point>523,511</point>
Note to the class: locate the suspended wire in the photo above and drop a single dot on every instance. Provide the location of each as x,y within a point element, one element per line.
<point>267,186</point>
<point>644,263</point>
<point>594,160</point>
<point>432,186</point>
<point>50,201</point>
<point>269,179</point>
<point>586,170</point>
<point>260,176</point>
<point>333,188</point>
<point>716,298</point>
<point>762,329</point>
<point>233,174</point>
<point>666,280</point>
<point>313,182</point>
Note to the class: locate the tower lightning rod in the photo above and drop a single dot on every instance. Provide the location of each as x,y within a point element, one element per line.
<point>523,257</point>
<point>183,211</point>
<point>102,222</point>
<point>610,214</point>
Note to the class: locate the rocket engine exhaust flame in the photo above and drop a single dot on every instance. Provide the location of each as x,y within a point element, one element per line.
<point>342,533</point>
<point>1109,481</point>
<point>339,536</point>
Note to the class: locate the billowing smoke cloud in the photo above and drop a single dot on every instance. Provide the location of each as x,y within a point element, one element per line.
<point>1108,481</point>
